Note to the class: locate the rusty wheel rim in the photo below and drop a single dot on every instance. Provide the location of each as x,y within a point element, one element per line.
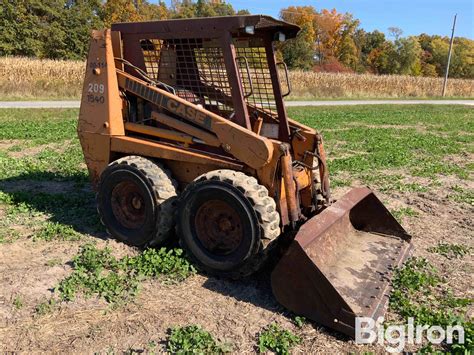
<point>218,227</point>
<point>128,204</point>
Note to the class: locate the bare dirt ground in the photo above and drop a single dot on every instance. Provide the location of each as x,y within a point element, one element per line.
<point>233,311</point>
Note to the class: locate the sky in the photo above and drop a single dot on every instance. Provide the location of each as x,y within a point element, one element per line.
<point>412,16</point>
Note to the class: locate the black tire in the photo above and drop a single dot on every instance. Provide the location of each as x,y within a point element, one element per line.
<point>136,201</point>
<point>231,205</point>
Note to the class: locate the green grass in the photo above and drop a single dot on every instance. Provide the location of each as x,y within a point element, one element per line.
<point>46,307</point>
<point>418,293</point>
<point>400,213</point>
<point>33,128</point>
<point>192,339</point>
<point>450,251</point>
<point>415,140</point>
<point>275,338</point>
<point>462,195</point>
<point>38,126</point>
<point>394,148</point>
<point>98,272</point>
<point>56,231</point>
<point>18,302</point>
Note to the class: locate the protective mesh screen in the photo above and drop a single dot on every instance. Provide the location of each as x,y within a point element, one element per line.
<point>260,90</point>
<point>195,68</point>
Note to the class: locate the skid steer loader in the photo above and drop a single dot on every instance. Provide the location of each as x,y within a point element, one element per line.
<point>183,125</point>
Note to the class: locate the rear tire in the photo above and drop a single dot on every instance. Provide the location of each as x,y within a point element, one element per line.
<point>136,201</point>
<point>226,223</point>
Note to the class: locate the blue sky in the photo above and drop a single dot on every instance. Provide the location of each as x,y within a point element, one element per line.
<point>412,16</point>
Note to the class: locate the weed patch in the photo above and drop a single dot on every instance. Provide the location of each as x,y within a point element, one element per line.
<point>192,339</point>
<point>8,235</point>
<point>450,251</point>
<point>299,321</point>
<point>98,272</point>
<point>276,339</point>
<point>400,213</point>
<point>462,195</point>
<point>417,293</point>
<point>46,307</point>
<point>18,302</point>
<point>56,231</point>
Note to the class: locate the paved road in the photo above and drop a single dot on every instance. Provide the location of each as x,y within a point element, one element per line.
<point>379,102</point>
<point>75,104</point>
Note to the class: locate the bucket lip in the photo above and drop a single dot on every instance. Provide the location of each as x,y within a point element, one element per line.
<point>380,304</point>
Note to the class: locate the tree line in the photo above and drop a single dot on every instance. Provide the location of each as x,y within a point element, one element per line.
<point>329,40</point>
<point>332,41</point>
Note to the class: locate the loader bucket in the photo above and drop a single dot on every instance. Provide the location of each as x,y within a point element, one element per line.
<point>340,264</point>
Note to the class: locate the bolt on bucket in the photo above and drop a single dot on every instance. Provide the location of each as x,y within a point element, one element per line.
<point>340,264</point>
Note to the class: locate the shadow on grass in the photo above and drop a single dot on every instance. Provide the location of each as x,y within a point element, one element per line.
<point>68,200</point>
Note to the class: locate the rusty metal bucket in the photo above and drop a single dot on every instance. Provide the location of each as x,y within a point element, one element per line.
<point>340,264</point>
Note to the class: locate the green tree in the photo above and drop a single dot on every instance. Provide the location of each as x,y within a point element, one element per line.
<point>382,60</point>
<point>21,26</point>
<point>408,56</point>
<point>298,53</point>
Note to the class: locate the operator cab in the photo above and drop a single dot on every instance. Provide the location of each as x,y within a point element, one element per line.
<point>227,65</point>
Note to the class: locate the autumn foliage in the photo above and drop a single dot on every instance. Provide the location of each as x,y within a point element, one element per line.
<point>333,42</point>
<point>329,41</point>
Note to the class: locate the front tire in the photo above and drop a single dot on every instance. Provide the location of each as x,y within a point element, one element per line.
<point>226,221</point>
<point>136,200</point>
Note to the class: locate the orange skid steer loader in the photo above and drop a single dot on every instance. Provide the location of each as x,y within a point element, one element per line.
<point>183,125</point>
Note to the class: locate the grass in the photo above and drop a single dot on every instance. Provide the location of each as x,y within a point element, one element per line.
<point>44,190</point>
<point>192,339</point>
<point>366,143</point>
<point>56,231</point>
<point>25,78</point>
<point>275,338</point>
<point>400,213</point>
<point>417,293</point>
<point>462,195</point>
<point>18,302</point>
<point>52,133</point>
<point>98,272</point>
<point>451,251</point>
<point>46,307</point>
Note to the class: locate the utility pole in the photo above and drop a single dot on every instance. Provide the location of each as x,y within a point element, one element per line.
<point>449,57</point>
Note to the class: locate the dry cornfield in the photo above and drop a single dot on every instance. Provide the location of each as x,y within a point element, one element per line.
<point>27,78</point>
<point>310,85</point>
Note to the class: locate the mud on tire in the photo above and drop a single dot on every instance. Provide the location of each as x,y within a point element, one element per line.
<point>227,222</point>
<point>136,201</point>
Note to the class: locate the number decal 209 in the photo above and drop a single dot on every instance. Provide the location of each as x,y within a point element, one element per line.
<point>96,88</point>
